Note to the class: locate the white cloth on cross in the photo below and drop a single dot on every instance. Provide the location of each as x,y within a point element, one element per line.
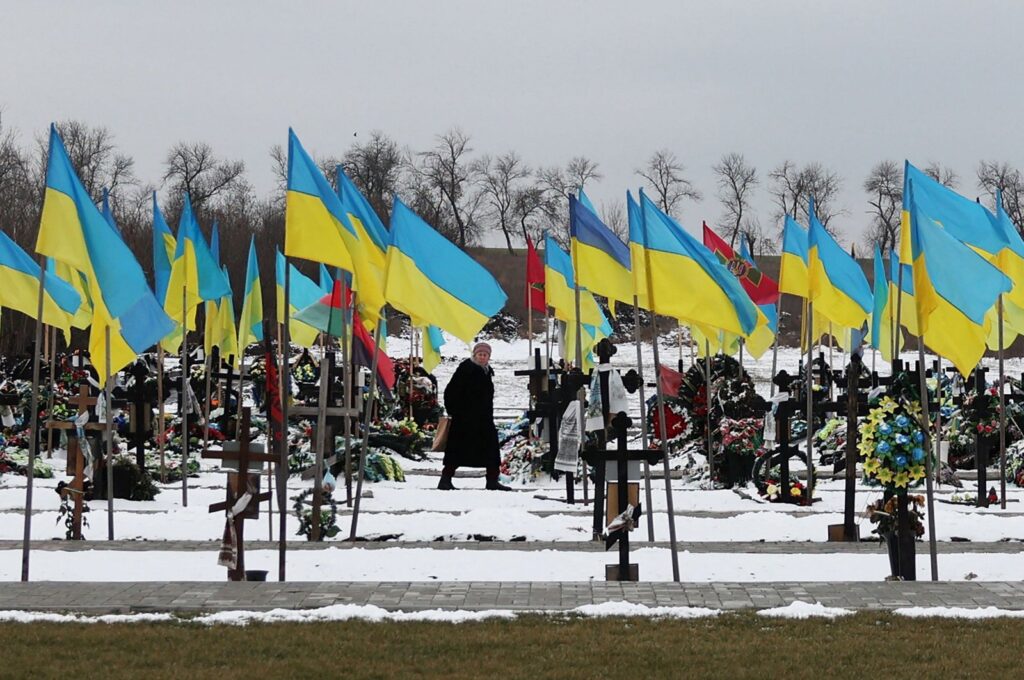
<point>570,435</point>
<point>228,556</point>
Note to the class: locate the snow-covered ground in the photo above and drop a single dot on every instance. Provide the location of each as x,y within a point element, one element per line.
<point>415,511</point>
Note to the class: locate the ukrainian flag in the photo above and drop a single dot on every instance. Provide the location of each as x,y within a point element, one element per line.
<point>433,338</point>
<point>955,287</point>
<point>250,325</point>
<point>636,251</point>
<point>838,288</point>
<point>793,276</point>
<point>883,315</point>
<point>904,289</point>
<point>318,228</point>
<point>227,336</point>
<point>19,288</point>
<point>760,341</point>
<point>302,292</point>
<point>434,282</point>
<point>326,280</point>
<point>164,246</point>
<point>372,233</point>
<point>193,270</point>
<point>213,325</point>
<point>73,231</point>
<point>82,317</point>
<point>560,287</point>
<point>590,335</point>
<point>711,295</point>
<point>601,261</point>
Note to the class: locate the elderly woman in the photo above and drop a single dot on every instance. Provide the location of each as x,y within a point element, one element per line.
<point>473,438</point>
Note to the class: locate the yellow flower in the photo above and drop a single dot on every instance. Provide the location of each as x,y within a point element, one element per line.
<point>884,475</point>
<point>902,478</point>
<point>888,405</point>
<point>795,491</point>
<point>917,472</point>
<point>871,465</point>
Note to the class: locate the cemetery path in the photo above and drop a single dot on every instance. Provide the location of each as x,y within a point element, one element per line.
<point>197,597</point>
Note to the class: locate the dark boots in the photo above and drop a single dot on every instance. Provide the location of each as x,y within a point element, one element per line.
<point>446,478</point>
<point>492,481</point>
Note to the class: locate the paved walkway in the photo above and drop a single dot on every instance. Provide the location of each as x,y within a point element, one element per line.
<point>757,547</point>
<point>183,597</point>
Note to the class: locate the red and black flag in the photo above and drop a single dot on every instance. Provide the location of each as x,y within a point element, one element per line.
<point>534,279</point>
<point>762,289</point>
<point>363,348</point>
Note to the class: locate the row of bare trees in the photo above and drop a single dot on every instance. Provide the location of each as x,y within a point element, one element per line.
<point>462,193</point>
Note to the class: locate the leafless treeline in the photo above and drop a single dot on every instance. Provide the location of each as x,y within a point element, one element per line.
<point>461,191</point>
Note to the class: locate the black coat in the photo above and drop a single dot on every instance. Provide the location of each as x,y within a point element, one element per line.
<point>469,400</point>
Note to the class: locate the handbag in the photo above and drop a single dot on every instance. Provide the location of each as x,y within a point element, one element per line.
<point>444,424</point>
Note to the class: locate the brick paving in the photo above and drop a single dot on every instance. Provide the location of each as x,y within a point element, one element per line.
<point>186,597</point>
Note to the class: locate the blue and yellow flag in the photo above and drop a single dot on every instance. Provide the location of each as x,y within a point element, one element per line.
<point>687,280</point>
<point>302,293</point>
<point>560,287</point>
<point>19,287</point>
<point>601,261</point>
<point>195,274</point>
<point>761,340</point>
<point>318,228</point>
<point>883,315</point>
<point>250,324</point>
<point>954,287</point>
<point>433,339</point>
<point>74,232</point>
<point>373,239</point>
<point>326,280</point>
<point>164,245</point>
<point>213,325</point>
<point>793,276</point>
<point>838,288</point>
<point>435,282</point>
<point>82,317</point>
<point>902,290</point>
<point>636,251</point>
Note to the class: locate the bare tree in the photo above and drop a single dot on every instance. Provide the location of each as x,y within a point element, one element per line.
<point>736,182</point>
<point>664,173</point>
<point>554,185</point>
<point>793,187</point>
<point>613,214</point>
<point>942,174</point>
<point>95,158</point>
<point>580,171</point>
<point>194,168</point>
<point>499,180</point>
<point>995,177</point>
<point>528,207</point>
<point>884,187</point>
<point>449,172</point>
<point>375,167</point>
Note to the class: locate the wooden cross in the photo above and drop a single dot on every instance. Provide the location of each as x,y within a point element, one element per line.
<point>324,437</point>
<point>627,494</point>
<point>239,455</point>
<point>75,457</point>
<point>140,412</point>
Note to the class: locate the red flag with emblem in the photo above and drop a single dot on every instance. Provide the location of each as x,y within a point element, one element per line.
<point>762,289</point>
<point>534,279</point>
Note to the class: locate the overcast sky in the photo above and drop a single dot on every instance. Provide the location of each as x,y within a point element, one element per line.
<point>843,83</point>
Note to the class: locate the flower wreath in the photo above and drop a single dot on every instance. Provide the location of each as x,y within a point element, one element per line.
<point>892,445</point>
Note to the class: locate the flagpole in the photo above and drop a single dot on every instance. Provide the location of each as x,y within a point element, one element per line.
<point>33,442</point>
<point>929,489</point>
<point>366,429</point>
<point>284,349</point>
<point>707,410</point>
<point>899,311</point>
<point>810,402</point>
<point>547,332</point>
<point>53,386</point>
<point>207,363</point>
<point>775,345</point>
<point>346,376</point>
<point>670,506</point>
<point>643,417</point>
<point>1002,413</point>
<point>109,415</point>
<point>529,327</point>
<point>183,400</point>
<point>160,411</point>
<point>579,330</point>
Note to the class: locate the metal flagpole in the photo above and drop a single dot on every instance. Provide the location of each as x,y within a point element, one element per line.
<point>775,346</point>
<point>1002,414</point>
<point>643,417</point>
<point>899,308</point>
<point>366,430</point>
<point>529,325</point>
<point>53,387</point>
<point>160,411</point>
<point>109,415</point>
<point>810,401</point>
<point>579,330</point>
<point>346,377</point>
<point>663,433</point>
<point>547,333</point>
<point>707,413</point>
<point>183,399</point>
<point>284,349</point>
<point>929,488</point>
<point>33,441</point>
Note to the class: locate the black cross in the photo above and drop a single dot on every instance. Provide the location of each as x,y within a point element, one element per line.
<point>140,411</point>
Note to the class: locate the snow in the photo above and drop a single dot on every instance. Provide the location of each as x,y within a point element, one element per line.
<point>621,608</point>
<point>16,616</point>
<point>349,612</point>
<point>804,610</point>
<point>959,612</point>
